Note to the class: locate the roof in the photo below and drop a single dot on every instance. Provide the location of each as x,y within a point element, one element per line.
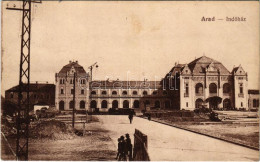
<point>40,87</point>
<point>253,91</point>
<point>199,65</point>
<point>79,69</point>
<point>126,84</point>
<point>234,70</point>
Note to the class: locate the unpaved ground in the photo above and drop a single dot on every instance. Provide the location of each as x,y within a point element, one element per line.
<point>247,134</point>
<point>96,145</point>
<point>236,126</point>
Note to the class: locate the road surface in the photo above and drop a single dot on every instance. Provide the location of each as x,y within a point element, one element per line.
<point>166,143</point>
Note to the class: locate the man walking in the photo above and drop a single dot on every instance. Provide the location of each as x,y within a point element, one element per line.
<point>130,116</point>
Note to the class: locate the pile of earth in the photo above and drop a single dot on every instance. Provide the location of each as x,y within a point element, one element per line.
<point>53,130</point>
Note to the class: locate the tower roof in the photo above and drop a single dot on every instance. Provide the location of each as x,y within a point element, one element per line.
<point>200,65</point>
<point>78,68</point>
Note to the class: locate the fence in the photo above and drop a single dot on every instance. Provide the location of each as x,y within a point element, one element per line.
<point>140,147</point>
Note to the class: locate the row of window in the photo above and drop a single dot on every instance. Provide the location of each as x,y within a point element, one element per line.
<point>82,81</point>
<point>212,88</point>
<point>126,93</point>
<point>82,91</point>
<point>82,105</point>
<point>104,104</point>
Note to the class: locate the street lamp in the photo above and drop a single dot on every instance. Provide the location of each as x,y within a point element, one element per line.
<point>95,65</point>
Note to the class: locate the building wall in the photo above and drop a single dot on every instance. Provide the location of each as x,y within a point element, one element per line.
<point>188,102</point>
<point>253,101</point>
<point>241,99</point>
<point>67,96</point>
<point>130,97</point>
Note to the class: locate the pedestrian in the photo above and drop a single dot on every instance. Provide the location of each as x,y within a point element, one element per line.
<point>129,147</point>
<point>122,155</point>
<point>118,148</point>
<point>130,116</point>
<point>149,117</point>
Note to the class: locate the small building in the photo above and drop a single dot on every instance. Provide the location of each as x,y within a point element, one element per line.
<point>253,99</point>
<point>40,94</point>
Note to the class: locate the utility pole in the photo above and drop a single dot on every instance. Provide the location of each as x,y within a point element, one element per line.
<point>22,118</point>
<point>74,103</point>
<point>90,85</point>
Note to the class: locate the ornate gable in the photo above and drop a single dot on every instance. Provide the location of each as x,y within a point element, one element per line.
<point>240,71</point>
<point>212,68</point>
<point>72,70</point>
<point>186,70</point>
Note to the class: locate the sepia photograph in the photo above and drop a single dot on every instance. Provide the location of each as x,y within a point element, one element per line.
<point>129,80</point>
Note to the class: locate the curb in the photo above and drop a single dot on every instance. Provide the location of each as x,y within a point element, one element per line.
<point>236,143</point>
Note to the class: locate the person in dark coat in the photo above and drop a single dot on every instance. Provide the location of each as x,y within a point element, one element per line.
<point>118,148</point>
<point>130,116</point>
<point>122,150</point>
<point>129,147</point>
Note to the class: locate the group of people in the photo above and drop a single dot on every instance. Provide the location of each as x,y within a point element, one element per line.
<point>124,148</point>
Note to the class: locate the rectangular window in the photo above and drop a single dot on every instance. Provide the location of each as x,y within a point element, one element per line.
<point>241,88</point>
<point>72,91</point>
<point>61,91</point>
<point>241,104</point>
<point>186,90</point>
<point>82,91</point>
<point>187,104</point>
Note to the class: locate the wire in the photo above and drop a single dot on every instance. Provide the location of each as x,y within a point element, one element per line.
<point>9,145</point>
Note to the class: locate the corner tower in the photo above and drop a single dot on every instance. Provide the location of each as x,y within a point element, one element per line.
<point>64,81</point>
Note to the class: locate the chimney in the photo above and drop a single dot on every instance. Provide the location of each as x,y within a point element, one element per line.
<point>70,61</point>
<point>77,61</point>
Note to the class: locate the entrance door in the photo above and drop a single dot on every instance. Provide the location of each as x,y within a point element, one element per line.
<point>213,104</point>
<point>61,105</point>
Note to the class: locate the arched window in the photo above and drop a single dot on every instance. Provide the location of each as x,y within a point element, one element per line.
<point>124,93</point>
<point>226,88</point>
<point>104,92</point>
<point>155,92</point>
<point>134,92</point>
<point>198,103</point>
<point>157,104</point>
<point>226,104</point>
<point>145,93</point>
<point>115,104</point>
<point>82,104</point>
<point>126,104</point>
<point>93,92</point>
<point>136,104</point>
<point>71,104</point>
<point>104,104</point>
<point>199,89</point>
<point>212,88</point>
<point>93,104</point>
<point>61,105</point>
<point>114,93</point>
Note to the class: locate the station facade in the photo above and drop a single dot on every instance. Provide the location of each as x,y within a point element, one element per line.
<point>204,82</point>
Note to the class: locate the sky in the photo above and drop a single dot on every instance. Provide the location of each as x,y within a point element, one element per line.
<point>130,39</point>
